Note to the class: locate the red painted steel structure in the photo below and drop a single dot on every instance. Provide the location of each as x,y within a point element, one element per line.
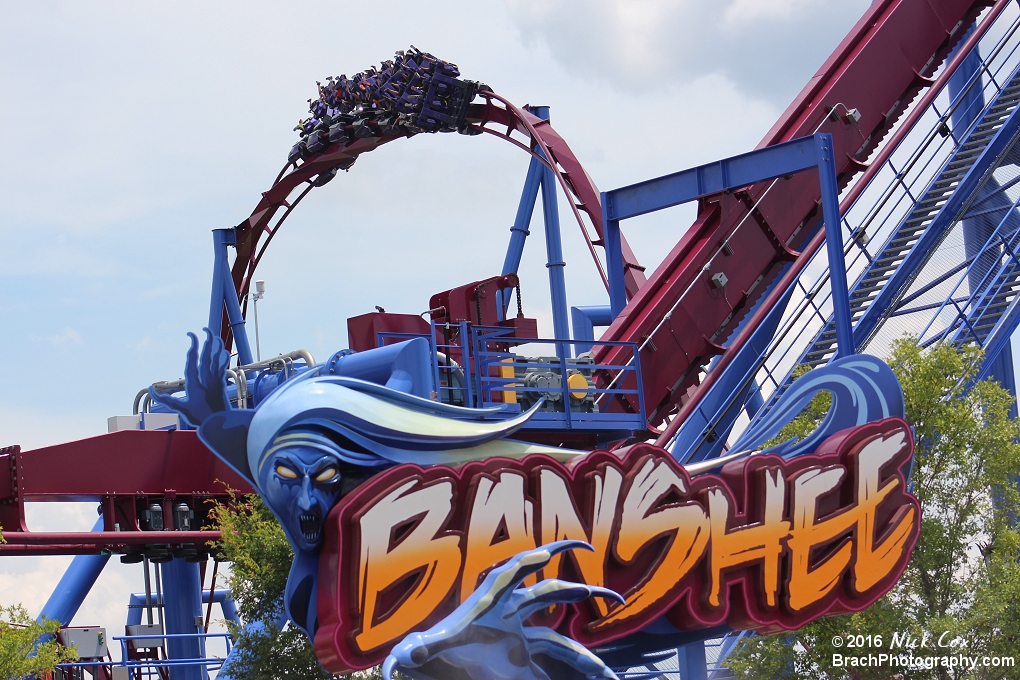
<point>85,542</point>
<point>874,165</point>
<point>124,472</point>
<point>878,69</point>
<point>541,140</point>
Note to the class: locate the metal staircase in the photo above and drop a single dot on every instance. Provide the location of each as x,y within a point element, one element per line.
<point>990,312</point>
<point>905,249</point>
<point>880,290</point>
<point>989,308</point>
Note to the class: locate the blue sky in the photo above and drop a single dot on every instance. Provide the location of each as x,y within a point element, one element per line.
<point>130,130</point>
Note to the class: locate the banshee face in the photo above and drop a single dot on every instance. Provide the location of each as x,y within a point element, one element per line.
<point>300,485</point>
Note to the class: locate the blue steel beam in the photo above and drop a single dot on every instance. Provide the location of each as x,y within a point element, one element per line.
<point>798,155</point>
<point>998,344</point>
<point>992,288</point>
<point>691,662</point>
<point>223,293</point>
<point>977,230</point>
<point>74,585</point>
<point>554,258</point>
<point>519,231</point>
<point>614,259</point>
<point>221,238</point>
<point>525,210</point>
<point>541,178</point>
<point>583,321</point>
<point>182,594</point>
<point>712,178</point>
<point>845,345</point>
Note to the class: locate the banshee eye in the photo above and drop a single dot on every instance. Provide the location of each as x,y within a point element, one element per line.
<point>326,475</point>
<point>285,472</point>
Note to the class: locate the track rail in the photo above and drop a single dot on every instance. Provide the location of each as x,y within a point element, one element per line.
<point>123,472</point>
<point>534,135</point>
<point>678,318</point>
<point>924,125</point>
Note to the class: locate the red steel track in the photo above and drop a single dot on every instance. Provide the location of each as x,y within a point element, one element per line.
<point>539,138</point>
<point>878,69</point>
<point>123,472</point>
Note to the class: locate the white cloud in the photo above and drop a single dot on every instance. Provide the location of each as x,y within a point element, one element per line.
<point>68,336</point>
<point>768,48</point>
<point>747,11</point>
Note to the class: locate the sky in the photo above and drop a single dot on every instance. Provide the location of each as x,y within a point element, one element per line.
<point>130,130</point>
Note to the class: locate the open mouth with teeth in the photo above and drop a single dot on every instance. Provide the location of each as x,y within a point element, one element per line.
<point>311,526</point>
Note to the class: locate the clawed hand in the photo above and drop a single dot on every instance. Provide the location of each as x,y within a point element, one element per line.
<point>205,383</point>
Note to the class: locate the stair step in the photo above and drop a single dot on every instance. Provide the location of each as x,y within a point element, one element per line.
<point>920,220</point>
<point>881,270</point>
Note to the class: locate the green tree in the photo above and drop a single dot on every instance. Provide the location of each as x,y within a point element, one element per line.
<point>19,635</point>
<point>260,557</point>
<point>20,654</point>
<point>963,578</point>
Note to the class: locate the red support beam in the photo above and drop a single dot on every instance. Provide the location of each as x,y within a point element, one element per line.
<point>110,539</point>
<point>124,472</point>
<point>874,166</point>
<point>135,463</point>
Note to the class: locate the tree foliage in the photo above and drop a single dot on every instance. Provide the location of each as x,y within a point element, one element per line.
<point>963,579</point>
<point>21,654</point>
<point>260,557</point>
<point>19,635</point>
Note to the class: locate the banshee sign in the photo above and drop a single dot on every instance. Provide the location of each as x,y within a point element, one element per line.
<point>767,543</point>
<point>399,509</point>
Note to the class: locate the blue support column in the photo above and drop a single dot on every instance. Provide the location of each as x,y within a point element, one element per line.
<point>74,585</point>
<point>680,187</point>
<point>834,248</point>
<point>229,608</point>
<point>969,103</point>
<point>583,321</point>
<point>691,661</point>
<point>519,231</point>
<point>216,294</point>
<point>182,593</point>
<point>614,259</point>
<point>223,293</point>
<point>754,401</point>
<point>554,249</point>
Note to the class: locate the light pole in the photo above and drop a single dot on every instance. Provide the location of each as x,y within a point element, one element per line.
<point>260,291</point>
